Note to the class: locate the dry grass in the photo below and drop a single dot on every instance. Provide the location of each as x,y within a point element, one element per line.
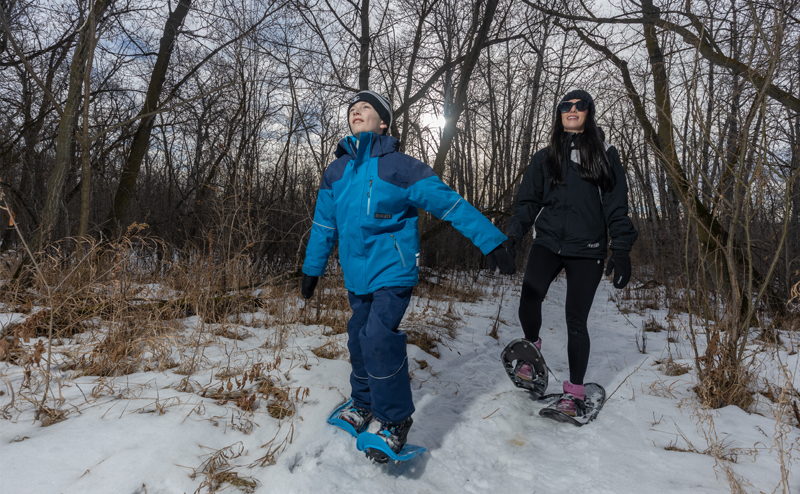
<point>218,471</point>
<point>724,380</point>
<point>653,326</point>
<point>638,299</point>
<point>672,368</point>
<point>331,350</point>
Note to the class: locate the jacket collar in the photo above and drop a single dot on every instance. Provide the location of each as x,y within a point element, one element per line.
<point>378,145</point>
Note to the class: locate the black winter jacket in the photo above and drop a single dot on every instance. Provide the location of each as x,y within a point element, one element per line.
<point>571,219</point>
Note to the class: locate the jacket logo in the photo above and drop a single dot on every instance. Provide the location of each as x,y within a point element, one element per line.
<point>592,246</point>
<point>383,216</point>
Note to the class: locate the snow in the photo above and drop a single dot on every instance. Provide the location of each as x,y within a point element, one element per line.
<point>147,432</point>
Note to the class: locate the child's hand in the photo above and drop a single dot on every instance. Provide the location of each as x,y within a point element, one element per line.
<point>308,285</point>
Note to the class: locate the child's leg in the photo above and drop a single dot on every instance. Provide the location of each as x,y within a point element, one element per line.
<point>385,358</point>
<point>583,276</point>
<point>543,267</point>
<point>359,383</point>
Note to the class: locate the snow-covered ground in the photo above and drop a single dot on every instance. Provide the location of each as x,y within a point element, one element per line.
<point>148,432</point>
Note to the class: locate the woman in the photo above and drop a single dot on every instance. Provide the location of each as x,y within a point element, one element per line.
<point>573,191</point>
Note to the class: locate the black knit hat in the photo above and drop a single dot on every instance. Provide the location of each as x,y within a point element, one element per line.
<point>378,102</point>
<point>582,95</point>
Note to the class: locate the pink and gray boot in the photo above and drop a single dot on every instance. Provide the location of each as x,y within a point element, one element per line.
<point>572,402</point>
<point>525,370</point>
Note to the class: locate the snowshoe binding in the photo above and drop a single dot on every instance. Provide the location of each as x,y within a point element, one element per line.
<point>389,443</point>
<point>525,366</point>
<point>571,409</point>
<point>351,418</point>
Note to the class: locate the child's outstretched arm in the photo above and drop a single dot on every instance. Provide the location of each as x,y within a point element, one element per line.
<point>432,195</point>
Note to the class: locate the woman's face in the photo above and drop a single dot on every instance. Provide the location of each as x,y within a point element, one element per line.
<point>574,120</point>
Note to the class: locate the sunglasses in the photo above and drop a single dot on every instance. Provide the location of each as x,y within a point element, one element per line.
<point>566,106</point>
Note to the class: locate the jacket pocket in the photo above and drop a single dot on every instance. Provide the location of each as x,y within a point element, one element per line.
<point>400,252</point>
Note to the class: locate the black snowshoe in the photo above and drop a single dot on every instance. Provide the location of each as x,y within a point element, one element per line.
<point>513,356</point>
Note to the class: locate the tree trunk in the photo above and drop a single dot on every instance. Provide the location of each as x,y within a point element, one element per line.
<point>141,139</point>
<point>363,63</point>
<point>460,97</point>
<point>63,157</point>
<point>86,162</point>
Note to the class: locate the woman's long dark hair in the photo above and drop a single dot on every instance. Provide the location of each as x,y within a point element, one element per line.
<point>595,167</point>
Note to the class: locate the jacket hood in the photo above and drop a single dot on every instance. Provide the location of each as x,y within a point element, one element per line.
<point>381,145</point>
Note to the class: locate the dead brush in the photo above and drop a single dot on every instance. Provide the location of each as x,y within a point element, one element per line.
<point>458,286</point>
<point>218,471</point>
<point>663,388</point>
<point>50,416</point>
<point>330,350</point>
<point>723,379</point>
<point>329,307</point>
<point>244,388</point>
<point>127,346</point>
<point>671,368</point>
<point>639,299</point>
<point>651,325</point>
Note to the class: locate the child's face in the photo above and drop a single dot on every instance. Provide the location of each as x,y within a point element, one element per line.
<point>364,118</point>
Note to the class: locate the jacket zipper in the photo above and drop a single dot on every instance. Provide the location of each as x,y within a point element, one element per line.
<point>369,196</point>
<point>402,259</point>
<point>567,169</point>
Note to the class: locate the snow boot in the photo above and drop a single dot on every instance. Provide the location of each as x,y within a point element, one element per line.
<point>395,437</point>
<point>359,418</point>
<point>524,369</point>
<point>572,403</point>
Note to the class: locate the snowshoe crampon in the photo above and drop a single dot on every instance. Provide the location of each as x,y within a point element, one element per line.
<point>378,451</point>
<point>595,396</point>
<point>519,351</point>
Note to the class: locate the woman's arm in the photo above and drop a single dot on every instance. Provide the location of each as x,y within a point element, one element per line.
<point>529,198</point>
<point>615,207</point>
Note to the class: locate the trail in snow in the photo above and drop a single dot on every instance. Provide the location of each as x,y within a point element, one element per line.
<point>482,433</point>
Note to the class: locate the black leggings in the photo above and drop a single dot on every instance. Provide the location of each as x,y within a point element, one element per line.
<point>583,276</point>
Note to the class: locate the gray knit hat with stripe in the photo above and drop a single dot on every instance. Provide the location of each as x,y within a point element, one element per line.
<point>378,102</point>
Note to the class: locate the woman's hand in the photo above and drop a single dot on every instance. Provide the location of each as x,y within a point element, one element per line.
<point>502,259</point>
<point>620,264</point>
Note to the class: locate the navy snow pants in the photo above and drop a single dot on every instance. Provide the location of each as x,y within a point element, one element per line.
<point>379,379</point>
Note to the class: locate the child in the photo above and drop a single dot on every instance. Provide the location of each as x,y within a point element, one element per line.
<point>368,201</point>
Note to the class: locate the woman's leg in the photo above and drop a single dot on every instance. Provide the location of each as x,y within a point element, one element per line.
<point>543,267</point>
<point>583,276</point>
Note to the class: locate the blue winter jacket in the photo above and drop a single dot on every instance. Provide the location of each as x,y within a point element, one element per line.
<point>368,201</point>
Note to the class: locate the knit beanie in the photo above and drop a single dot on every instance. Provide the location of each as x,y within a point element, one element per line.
<point>582,95</point>
<point>378,102</point>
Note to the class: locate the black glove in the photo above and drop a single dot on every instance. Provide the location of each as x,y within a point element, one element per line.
<point>620,263</point>
<point>308,285</point>
<point>512,244</point>
<point>500,257</point>
<point>491,261</point>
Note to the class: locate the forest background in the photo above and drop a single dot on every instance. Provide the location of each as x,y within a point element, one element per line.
<point>188,135</point>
